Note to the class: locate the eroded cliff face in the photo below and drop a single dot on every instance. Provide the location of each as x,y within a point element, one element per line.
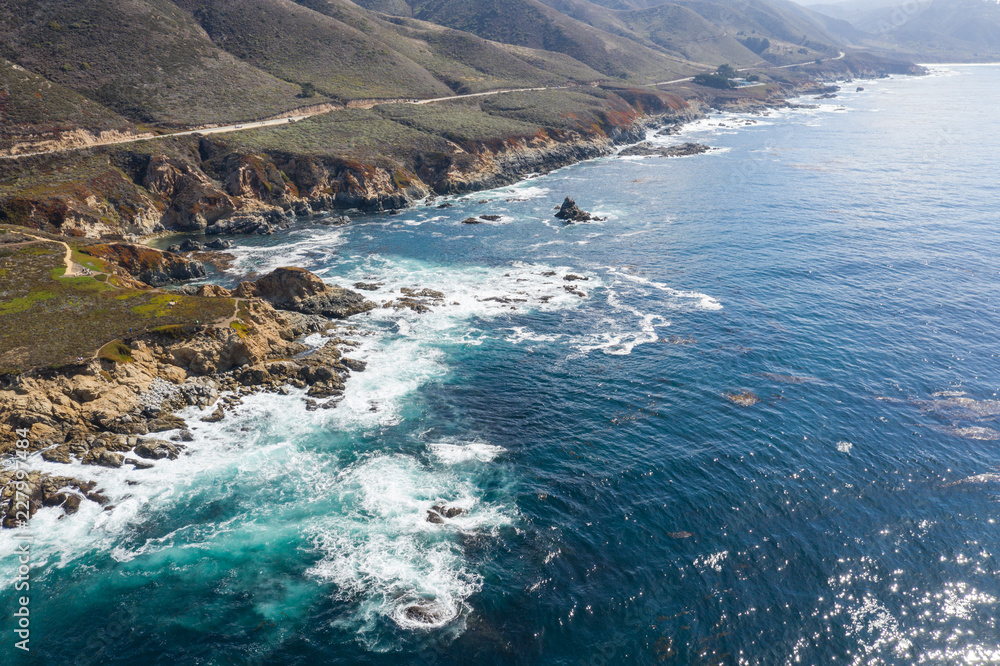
<point>203,186</point>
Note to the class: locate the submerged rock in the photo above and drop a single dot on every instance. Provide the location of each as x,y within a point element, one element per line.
<point>744,399</point>
<point>426,612</point>
<point>219,244</point>
<point>439,512</point>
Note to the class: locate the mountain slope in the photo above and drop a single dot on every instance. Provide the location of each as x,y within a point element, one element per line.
<point>463,61</point>
<point>32,107</point>
<point>145,59</point>
<point>531,24</point>
<point>300,45</point>
<point>670,28</point>
<point>960,26</point>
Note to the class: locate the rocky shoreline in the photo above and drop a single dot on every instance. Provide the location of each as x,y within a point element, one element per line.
<point>110,413</point>
<point>206,185</point>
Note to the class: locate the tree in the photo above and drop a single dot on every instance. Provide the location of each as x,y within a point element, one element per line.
<point>756,44</point>
<point>308,90</point>
<point>714,81</point>
<point>727,71</point>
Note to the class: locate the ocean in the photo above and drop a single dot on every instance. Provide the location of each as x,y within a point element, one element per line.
<point>750,418</point>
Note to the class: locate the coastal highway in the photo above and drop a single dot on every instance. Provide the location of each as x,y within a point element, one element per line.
<point>284,120</point>
<point>747,69</point>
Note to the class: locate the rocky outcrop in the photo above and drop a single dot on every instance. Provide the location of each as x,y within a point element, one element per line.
<point>152,267</point>
<point>647,149</point>
<point>22,497</point>
<point>102,412</point>
<point>194,201</point>
<point>570,212</point>
<point>298,290</point>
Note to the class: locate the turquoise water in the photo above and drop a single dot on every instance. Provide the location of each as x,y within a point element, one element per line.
<point>840,264</point>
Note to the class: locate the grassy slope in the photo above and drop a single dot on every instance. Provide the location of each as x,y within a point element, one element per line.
<point>401,133</point>
<point>297,44</point>
<point>30,105</point>
<point>582,110</point>
<point>465,124</point>
<point>356,134</point>
<point>532,24</point>
<point>145,59</point>
<point>679,29</point>
<point>78,316</point>
<point>463,61</point>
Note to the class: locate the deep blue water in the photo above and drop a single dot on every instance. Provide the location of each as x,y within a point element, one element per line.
<point>838,264</point>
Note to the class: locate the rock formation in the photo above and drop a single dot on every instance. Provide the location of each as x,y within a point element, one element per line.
<point>570,212</point>
<point>647,149</point>
<point>153,267</point>
<point>298,290</point>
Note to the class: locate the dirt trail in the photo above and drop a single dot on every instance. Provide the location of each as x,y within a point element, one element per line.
<point>73,269</point>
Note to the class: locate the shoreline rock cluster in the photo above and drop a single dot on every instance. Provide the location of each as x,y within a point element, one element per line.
<point>109,413</point>
<point>647,149</point>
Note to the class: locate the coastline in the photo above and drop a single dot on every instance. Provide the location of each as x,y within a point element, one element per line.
<point>108,412</point>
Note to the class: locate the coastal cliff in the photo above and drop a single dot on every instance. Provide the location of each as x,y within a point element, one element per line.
<point>373,159</point>
<point>254,183</point>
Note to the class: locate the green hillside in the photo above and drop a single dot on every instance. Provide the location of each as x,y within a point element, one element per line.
<point>462,61</point>
<point>147,60</point>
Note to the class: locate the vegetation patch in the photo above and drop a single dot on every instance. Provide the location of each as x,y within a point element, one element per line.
<point>116,351</point>
<point>48,321</point>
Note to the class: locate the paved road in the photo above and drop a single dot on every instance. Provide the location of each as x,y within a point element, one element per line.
<point>747,69</point>
<point>223,129</point>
